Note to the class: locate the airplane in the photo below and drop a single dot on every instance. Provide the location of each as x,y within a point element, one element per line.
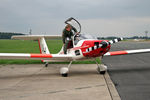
<point>82,47</point>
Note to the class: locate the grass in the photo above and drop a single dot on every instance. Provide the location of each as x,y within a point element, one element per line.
<point>28,46</point>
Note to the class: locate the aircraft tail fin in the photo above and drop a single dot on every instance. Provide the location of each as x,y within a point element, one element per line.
<point>43,46</point>
<point>41,41</point>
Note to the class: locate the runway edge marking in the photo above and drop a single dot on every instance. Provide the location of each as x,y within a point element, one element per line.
<point>113,92</point>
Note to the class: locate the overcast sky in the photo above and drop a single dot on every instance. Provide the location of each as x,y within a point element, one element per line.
<point>98,17</point>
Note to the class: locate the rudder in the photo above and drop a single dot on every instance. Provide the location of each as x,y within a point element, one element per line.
<point>43,46</point>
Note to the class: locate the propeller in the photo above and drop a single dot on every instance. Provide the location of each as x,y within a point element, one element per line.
<point>104,44</point>
<point>115,40</point>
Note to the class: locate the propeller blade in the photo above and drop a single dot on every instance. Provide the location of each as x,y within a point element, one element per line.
<point>115,40</point>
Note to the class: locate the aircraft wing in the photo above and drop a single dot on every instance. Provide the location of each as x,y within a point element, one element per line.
<point>114,53</point>
<point>51,57</point>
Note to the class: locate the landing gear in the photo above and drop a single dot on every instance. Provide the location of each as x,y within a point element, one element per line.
<point>101,68</point>
<point>64,70</point>
<point>64,75</point>
<point>102,72</point>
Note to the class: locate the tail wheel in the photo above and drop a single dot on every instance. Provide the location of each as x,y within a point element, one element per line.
<point>46,64</point>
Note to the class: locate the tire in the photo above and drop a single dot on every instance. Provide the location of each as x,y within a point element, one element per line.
<point>64,75</point>
<point>102,72</point>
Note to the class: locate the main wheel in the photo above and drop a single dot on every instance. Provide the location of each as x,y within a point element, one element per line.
<point>102,72</point>
<point>64,75</point>
<point>64,71</point>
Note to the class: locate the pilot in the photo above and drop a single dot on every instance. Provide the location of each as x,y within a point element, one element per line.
<point>66,36</point>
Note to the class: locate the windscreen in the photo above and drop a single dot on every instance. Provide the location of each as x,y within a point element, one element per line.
<point>79,37</point>
<point>85,36</point>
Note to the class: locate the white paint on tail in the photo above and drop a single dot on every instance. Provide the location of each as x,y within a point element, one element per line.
<point>43,46</point>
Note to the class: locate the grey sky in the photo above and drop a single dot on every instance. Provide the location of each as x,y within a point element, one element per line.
<point>99,17</point>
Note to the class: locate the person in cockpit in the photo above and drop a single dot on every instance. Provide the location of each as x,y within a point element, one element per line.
<point>68,32</point>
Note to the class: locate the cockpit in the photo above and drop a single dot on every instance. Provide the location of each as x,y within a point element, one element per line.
<point>77,37</point>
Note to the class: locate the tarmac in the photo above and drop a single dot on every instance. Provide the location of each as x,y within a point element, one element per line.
<point>130,73</point>
<point>36,82</point>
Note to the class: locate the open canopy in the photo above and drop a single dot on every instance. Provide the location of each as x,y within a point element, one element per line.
<point>73,22</point>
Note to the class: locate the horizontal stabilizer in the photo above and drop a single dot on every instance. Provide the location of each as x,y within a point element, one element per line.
<point>114,53</point>
<point>35,37</point>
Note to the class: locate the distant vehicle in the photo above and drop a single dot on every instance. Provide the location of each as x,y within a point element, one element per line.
<point>83,47</point>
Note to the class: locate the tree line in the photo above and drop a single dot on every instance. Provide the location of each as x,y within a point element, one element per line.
<point>133,37</point>
<point>8,35</point>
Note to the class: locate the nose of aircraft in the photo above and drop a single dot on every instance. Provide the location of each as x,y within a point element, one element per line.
<point>104,44</point>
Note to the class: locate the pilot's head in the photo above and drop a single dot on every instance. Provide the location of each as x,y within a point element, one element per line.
<point>68,27</point>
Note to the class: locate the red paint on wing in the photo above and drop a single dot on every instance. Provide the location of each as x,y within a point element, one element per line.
<point>118,53</point>
<point>41,56</point>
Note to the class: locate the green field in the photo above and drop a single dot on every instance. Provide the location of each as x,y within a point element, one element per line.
<point>29,46</point>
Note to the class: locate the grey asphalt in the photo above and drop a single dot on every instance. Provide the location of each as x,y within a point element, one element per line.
<point>36,82</point>
<point>130,73</point>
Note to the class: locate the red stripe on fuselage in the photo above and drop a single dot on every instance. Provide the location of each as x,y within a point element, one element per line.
<point>81,47</point>
<point>41,56</point>
<point>118,53</point>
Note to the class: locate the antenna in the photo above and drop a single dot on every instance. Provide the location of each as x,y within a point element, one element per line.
<point>30,32</point>
<point>146,36</point>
